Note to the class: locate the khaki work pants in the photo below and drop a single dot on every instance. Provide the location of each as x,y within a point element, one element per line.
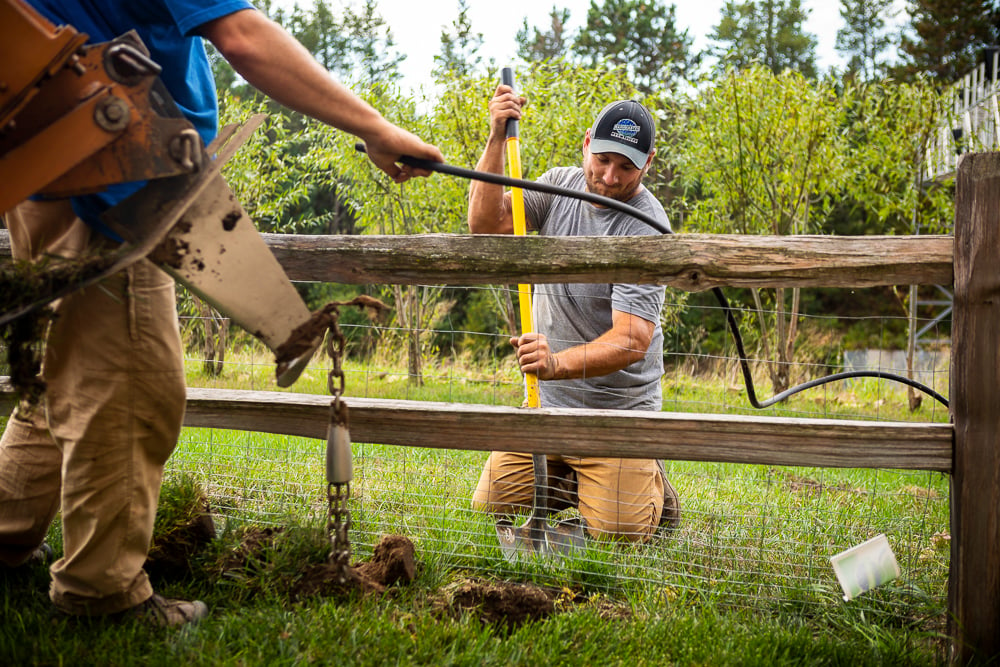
<point>622,498</point>
<point>96,446</point>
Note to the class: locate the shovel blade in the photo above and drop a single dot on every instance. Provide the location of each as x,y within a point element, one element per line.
<point>567,536</point>
<point>535,538</point>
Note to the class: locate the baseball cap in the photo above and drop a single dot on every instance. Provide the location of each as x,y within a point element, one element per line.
<point>624,127</point>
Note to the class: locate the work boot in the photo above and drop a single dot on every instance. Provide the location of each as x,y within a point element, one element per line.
<point>43,555</point>
<point>670,518</point>
<point>165,612</point>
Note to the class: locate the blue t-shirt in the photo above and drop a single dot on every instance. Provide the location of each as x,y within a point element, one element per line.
<point>168,28</point>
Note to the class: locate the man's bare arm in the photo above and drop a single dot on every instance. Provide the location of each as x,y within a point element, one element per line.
<point>490,208</point>
<point>623,344</point>
<point>275,63</point>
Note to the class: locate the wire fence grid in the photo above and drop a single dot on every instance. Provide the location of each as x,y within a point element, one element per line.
<point>751,536</point>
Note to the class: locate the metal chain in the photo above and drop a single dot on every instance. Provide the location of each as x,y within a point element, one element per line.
<point>339,525</point>
<point>339,465</point>
<point>338,492</point>
<point>335,349</point>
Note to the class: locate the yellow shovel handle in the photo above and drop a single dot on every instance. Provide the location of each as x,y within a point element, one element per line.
<point>520,229</point>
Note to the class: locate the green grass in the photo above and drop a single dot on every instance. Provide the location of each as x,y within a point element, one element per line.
<point>746,580</point>
<point>404,628</point>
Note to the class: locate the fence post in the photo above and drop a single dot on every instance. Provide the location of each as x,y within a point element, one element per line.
<point>974,582</point>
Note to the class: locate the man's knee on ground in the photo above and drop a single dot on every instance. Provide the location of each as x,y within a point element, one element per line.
<point>622,532</point>
<point>494,500</point>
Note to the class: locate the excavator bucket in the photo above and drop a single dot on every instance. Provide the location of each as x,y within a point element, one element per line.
<point>216,252</point>
<point>75,118</point>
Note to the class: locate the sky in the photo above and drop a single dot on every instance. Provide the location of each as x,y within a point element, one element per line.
<point>416,26</point>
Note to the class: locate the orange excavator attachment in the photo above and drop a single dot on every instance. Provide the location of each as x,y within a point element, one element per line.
<point>77,117</point>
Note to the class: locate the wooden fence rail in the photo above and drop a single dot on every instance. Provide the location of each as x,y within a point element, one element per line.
<point>970,450</point>
<point>692,262</point>
<point>832,443</point>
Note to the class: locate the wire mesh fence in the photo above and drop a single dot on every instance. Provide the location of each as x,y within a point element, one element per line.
<point>752,536</point>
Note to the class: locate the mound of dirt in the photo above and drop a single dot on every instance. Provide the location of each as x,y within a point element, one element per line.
<point>171,554</point>
<point>504,604</point>
<point>393,561</point>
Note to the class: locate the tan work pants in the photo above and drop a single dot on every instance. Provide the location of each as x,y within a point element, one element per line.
<point>618,497</point>
<point>112,412</point>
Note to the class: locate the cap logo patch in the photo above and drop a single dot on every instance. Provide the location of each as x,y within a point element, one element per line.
<point>626,129</point>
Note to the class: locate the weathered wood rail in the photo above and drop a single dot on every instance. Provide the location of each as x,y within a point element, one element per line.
<point>832,443</point>
<point>970,450</point>
<point>672,436</point>
<point>691,262</point>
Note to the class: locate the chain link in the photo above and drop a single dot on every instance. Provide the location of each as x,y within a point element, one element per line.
<point>335,350</point>
<point>338,493</point>
<point>339,525</point>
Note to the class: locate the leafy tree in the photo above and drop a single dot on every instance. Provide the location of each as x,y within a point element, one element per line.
<point>640,36</point>
<point>383,207</point>
<point>895,124</point>
<point>553,44</point>
<point>316,28</point>
<point>945,37</point>
<point>359,46</point>
<point>307,197</point>
<point>459,54</point>
<point>283,172</point>
<point>321,34</point>
<point>864,38</point>
<point>769,32</point>
<point>763,148</point>
<point>263,173</point>
<point>371,47</point>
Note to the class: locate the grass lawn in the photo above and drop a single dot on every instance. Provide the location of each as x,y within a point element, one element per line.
<point>745,580</point>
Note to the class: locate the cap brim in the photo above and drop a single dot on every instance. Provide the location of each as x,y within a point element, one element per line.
<point>637,157</point>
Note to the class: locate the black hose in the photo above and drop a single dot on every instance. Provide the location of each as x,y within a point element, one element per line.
<point>499,179</point>
<point>748,378</point>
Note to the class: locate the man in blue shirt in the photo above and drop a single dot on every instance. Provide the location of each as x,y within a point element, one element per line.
<point>113,365</point>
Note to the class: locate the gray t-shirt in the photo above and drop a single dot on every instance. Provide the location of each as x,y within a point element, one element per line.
<point>571,314</point>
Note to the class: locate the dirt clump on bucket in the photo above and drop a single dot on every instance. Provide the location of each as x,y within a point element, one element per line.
<point>307,335</point>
